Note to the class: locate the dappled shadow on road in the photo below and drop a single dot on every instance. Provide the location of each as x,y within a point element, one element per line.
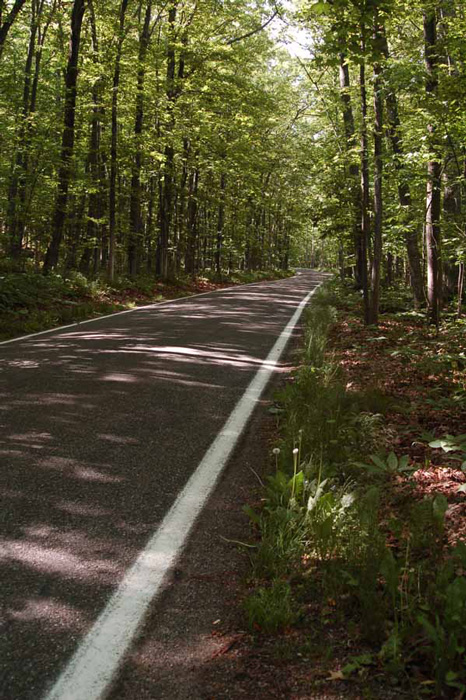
<point>101,427</point>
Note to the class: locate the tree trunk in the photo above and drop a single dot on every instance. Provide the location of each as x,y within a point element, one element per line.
<point>220,224</point>
<point>135,218</point>
<point>350,135</point>
<point>404,192</point>
<point>9,20</point>
<point>433,199</point>
<point>191,243</point>
<point>173,88</point>
<point>95,204</point>
<point>378,199</point>
<point>68,137</point>
<point>114,142</point>
<point>365,223</point>
<point>460,288</point>
<point>16,232</point>
<point>24,181</point>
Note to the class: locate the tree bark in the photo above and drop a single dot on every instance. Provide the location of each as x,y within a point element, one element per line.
<point>95,204</point>
<point>378,198</point>
<point>220,224</point>
<point>114,142</point>
<point>434,168</point>
<point>350,135</point>
<point>191,243</point>
<point>68,137</point>
<point>135,219</point>
<point>173,88</point>
<point>16,232</point>
<point>365,222</point>
<point>460,289</point>
<point>8,22</point>
<point>404,192</point>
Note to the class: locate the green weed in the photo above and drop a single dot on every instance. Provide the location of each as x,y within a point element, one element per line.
<point>271,609</point>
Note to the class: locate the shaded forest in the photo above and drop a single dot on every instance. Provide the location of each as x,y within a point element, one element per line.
<point>146,137</point>
<point>387,82</point>
<point>180,138</point>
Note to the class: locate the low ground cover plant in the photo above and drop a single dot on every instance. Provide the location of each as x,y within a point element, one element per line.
<point>361,518</point>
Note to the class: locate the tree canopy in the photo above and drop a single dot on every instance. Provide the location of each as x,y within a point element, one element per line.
<point>139,136</point>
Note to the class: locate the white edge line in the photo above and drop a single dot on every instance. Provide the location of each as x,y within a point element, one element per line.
<point>154,305</point>
<point>94,665</point>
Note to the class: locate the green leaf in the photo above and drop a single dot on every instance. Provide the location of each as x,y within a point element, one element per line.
<point>319,8</point>
<point>379,462</point>
<point>368,467</point>
<point>403,462</point>
<point>392,462</point>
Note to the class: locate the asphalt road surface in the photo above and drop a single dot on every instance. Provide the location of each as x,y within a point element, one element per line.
<point>101,427</point>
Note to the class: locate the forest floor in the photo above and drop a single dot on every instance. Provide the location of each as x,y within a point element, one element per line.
<point>330,612</point>
<point>30,303</point>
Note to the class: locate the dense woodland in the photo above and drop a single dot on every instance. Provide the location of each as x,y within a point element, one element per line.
<point>390,80</point>
<point>144,136</point>
<point>177,137</point>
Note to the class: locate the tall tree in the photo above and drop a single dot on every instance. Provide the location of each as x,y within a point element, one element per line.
<point>378,175</point>
<point>135,221</point>
<point>365,220</point>
<point>354,184</point>
<point>68,137</point>
<point>114,137</point>
<point>434,168</point>
<point>404,190</point>
<point>7,22</point>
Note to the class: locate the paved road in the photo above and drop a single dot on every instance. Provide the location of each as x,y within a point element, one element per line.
<point>101,427</point>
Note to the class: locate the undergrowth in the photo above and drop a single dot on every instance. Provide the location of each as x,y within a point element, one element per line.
<point>340,525</point>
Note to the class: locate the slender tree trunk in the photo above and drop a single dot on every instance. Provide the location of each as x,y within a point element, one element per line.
<point>135,218</point>
<point>114,142</point>
<point>8,22</point>
<point>95,204</point>
<point>404,192</point>
<point>378,199</point>
<point>433,199</point>
<point>389,277</point>
<point>460,288</point>
<point>341,262</point>
<point>350,135</point>
<point>191,243</point>
<point>220,224</point>
<point>24,180</point>
<point>365,223</point>
<point>15,232</point>
<point>68,137</point>
<point>150,225</point>
<point>173,87</point>
<point>180,252</point>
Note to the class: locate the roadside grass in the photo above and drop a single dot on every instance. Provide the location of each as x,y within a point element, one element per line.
<point>361,525</point>
<point>30,302</point>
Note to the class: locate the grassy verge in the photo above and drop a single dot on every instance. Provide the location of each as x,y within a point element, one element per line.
<point>360,564</point>
<point>30,302</point>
